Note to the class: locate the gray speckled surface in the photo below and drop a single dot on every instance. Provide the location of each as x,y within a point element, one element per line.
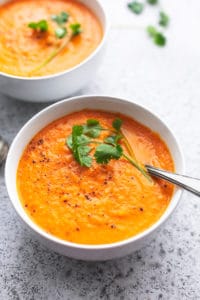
<point>166,81</point>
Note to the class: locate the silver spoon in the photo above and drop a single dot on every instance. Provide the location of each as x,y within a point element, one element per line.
<point>188,183</point>
<point>3,150</point>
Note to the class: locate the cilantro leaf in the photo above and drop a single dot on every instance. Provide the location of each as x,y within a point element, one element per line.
<point>158,38</point>
<point>42,25</point>
<point>60,32</point>
<point>117,123</point>
<point>92,122</point>
<point>77,130</point>
<point>92,128</point>
<point>61,18</point>
<point>113,139</point>
<point>104,153</point>
<point>153,2</point>
<point>76,28</point>
<point>136,7</point>
<point>164,19</point>
<point>151,31</point>
<point>77,142</point>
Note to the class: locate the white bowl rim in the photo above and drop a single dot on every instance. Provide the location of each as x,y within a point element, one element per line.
<point>101,44</point>
<point>167,213</point>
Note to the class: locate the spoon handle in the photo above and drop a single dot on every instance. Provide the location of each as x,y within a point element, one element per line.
<point>188,183</point>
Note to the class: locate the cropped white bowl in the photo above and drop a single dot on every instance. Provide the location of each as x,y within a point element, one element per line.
<point>58,110</point>
<point>60,85</point>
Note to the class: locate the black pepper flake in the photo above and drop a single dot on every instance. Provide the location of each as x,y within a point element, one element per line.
<point>40,142</point>
<point>26,205</point>
<point>77,229</point>
<point>65,201</point>
<point>165,185</point>
<point>141,209</point>
<point>87,197</point>
<point>113,226</point>
<point>33,161</point>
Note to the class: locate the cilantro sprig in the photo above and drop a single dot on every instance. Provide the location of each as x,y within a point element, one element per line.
<point>83,136</point>
<point>61,32</point>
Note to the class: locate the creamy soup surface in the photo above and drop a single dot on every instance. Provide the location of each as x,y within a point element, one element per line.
<point>97,205</point>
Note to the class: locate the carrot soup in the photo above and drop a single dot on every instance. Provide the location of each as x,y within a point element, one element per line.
<point>45,37</point>
<point>82,178</point>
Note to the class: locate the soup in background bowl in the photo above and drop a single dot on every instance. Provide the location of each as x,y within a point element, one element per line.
<point>99,211</point>
<point>51,49</point>
<point>45,37</point>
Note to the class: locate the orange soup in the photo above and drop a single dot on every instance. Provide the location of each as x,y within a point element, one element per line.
<point>44,37</point>
<point>103,203</point>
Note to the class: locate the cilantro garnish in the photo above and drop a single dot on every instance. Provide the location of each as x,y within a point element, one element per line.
<point>164,19</point>
<point>60,32</point>
<point>76,28</point>
<point>92,128</point>
<point>136,7</point>
<point>113,139</point>
<point>61,18</point>
<point>158,38</point>
<point>84,135</point>
<point>104,153</point>
<point>42,25</point>
<point>117,123</point>
<point>78,144</point>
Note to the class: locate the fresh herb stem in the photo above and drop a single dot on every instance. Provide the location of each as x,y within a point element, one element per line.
<point>137,166</point>
<point>128,146</point>
<point>53,54</point>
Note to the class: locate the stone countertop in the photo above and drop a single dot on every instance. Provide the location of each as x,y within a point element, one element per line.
<point>166,80</point>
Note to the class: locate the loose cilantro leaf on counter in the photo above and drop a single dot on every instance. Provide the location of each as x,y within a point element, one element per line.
<point>153,2</point>
<point>164,19</point>
<point>136,7</point>
<point>41,25</point>
<point>158,38</point>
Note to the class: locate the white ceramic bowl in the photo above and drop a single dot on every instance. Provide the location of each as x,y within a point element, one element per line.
<point>58,110</point>
<point>57,86</point>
